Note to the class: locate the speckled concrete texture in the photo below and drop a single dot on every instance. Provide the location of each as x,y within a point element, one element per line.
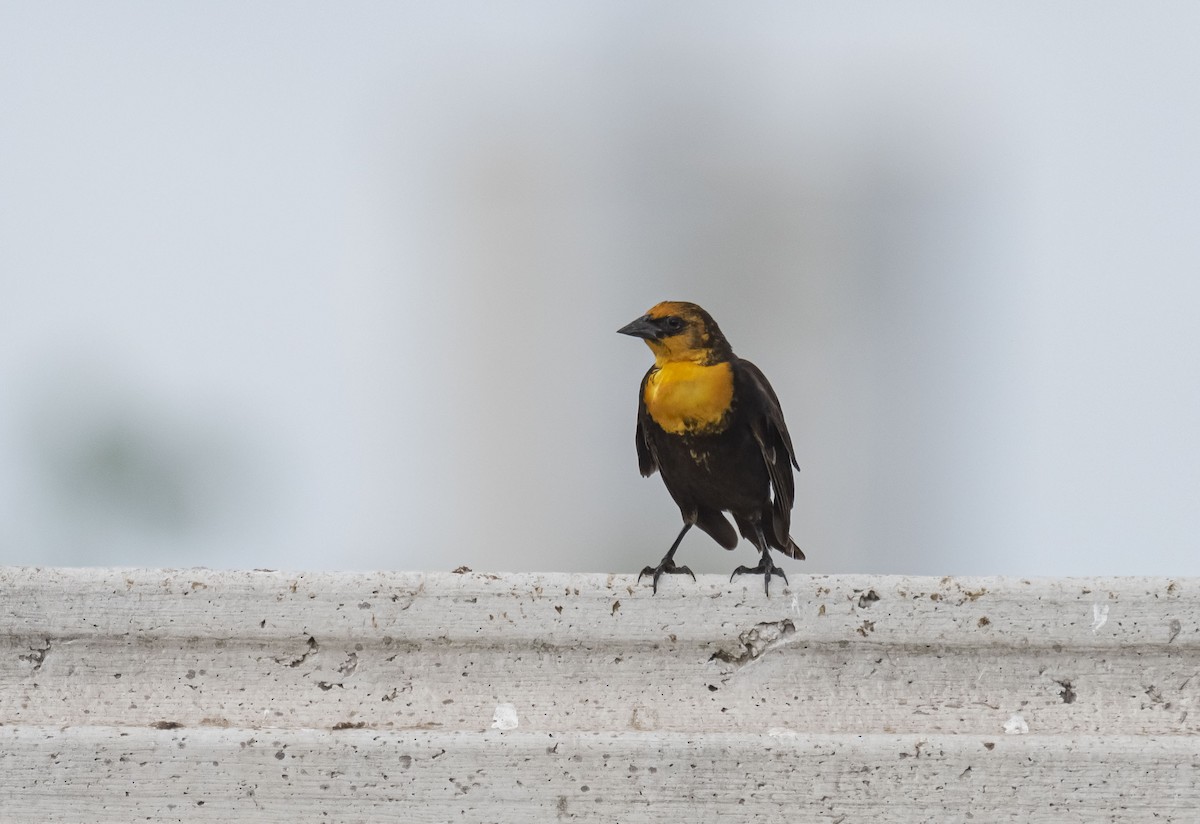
<point>205,695</point>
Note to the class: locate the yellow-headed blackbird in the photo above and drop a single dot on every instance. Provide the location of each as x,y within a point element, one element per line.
<point>711,423</point>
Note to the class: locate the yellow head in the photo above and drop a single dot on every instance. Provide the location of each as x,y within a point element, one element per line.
<point>678,332</point>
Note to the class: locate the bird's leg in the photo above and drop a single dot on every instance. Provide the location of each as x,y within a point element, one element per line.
<point>766,568</point>
<point>667,564</point>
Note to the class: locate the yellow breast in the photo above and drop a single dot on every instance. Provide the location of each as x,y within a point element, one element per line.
<point>686,397</point>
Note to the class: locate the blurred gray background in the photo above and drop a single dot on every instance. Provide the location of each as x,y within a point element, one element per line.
<point>335,285</point>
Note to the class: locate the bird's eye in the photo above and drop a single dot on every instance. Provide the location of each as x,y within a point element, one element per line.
<point>674,324</point>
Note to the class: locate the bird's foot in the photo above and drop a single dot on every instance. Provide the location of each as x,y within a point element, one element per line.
<point>666,567</point>
<point>765,568</point>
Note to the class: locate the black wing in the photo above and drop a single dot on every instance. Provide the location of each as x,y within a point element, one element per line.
<point>647,463</point>
<point>766,422</point>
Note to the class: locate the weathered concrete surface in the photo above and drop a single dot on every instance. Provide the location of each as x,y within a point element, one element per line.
<point>130,694</point>
<point>107,774</point>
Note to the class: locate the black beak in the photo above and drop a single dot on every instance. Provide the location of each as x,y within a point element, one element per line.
<point>643,327</point>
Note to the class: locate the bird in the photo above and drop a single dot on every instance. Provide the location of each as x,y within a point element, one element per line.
<point>711,425</point>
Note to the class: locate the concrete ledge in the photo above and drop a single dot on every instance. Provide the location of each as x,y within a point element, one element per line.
<point>432,697</point>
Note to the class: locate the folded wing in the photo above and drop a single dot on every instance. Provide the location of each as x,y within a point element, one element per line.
<point>771,434</point>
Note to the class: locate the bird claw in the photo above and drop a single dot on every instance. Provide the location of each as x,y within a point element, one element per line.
<point>766,569</point>
<point>666,567</point>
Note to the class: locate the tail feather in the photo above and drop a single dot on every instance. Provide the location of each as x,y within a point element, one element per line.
<point>792,551</point>
<point>715,524</point>
<point>778,537</point>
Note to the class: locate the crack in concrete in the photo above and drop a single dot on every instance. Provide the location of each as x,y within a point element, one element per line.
<point>36,656</point>
<point>756,641</point>
<point>312,649</point>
